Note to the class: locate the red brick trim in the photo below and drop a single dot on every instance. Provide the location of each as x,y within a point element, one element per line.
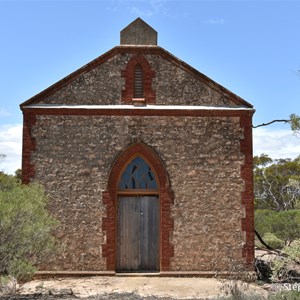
<point>109,197</point>
<point>139,112</point>
<point>29,120</point>
<point>247,194</point>
<point>128,74</point>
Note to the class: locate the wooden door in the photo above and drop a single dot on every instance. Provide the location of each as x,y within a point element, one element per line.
<point>138,233</point>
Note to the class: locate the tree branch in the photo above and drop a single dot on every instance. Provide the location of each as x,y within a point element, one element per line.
<point>269,123</point>
<point>262,241</point>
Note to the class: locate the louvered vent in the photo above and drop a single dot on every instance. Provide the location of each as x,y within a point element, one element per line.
<point>138,82</point>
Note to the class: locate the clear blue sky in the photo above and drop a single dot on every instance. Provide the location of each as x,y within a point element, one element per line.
<point>250,47</point>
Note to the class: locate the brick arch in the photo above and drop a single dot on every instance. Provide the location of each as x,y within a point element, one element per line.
<point>109,198</point>
<point>128,74</point>
<point>124,158</point>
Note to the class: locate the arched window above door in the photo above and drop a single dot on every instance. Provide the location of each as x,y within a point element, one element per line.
<point>137,175</point>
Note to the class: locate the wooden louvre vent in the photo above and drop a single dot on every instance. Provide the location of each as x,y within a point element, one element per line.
<point>138,97</point>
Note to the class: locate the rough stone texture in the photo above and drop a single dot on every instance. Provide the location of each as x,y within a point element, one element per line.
<point>73,156</point>
<point>102,85</point>
<point>173,85</point>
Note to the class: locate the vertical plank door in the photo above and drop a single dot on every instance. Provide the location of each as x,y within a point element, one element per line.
<point>138,233</point>
<point>128,257</point>
<point>149,227</point>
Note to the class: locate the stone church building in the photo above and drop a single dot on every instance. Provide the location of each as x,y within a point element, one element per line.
<point>147,163</point>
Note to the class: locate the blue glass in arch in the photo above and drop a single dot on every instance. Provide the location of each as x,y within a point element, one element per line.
<point>137,175</point>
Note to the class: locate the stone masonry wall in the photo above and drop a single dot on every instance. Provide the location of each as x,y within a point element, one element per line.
<point>100,86</point>
<point>176,86</point>
<point>73,156</point>
<point>103,85</point>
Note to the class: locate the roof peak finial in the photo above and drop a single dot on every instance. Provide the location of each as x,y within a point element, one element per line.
<point>138,32</point>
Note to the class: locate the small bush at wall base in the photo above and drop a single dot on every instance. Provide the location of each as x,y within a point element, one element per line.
<point>25,227</point>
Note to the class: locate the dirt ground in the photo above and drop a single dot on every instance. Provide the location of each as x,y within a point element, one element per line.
<point>127,288</point>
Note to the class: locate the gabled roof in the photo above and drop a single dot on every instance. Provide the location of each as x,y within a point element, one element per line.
<point>155,50</point>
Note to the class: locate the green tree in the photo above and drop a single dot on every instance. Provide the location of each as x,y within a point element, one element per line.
<point>295,123</point>
<point>25,227</point>
<point>276,183</point>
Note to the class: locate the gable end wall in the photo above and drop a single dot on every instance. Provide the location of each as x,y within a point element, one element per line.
<point>172,82</point>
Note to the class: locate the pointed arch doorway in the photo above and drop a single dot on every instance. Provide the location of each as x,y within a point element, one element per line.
<point>126,193</point>
<point>138,218</point>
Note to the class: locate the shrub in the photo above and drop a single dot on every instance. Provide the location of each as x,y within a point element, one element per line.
<point>25,227</point>
<point>273,241</point>
<point>291,295</point>
<point>284,267</point>
<point>285,225</point>
<point>262,220</point>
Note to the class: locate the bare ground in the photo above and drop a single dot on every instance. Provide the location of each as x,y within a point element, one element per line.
<point>135,288</point>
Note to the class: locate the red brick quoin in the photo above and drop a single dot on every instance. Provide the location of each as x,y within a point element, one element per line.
<point>29,120</point>
<point>128,74</point>
<point>247,194</point>
<point>109,198</point>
